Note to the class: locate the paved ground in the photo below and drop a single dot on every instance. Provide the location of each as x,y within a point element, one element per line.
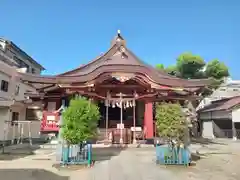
<point>219,162</point>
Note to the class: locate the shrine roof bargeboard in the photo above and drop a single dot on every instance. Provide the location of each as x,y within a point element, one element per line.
<point>118,59</point>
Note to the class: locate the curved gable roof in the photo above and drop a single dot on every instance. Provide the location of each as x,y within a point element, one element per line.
<point>118,59</point>
<point>122,58</point>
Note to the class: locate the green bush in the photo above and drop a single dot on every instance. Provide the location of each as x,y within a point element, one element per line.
<point>171,122</point>
<point>80,121</point>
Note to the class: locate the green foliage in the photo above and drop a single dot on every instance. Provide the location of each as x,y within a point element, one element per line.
<point>160,66</point>
<point>216,69</point>
<point>80,120</point>
<point>189,65</point>
<point>172,70</point>
<point>171,121</point>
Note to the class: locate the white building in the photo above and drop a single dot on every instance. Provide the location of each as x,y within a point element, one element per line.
<point>217,113</point>
<point>17,57</point>
<point>230,88</point>
<point>14,105</point>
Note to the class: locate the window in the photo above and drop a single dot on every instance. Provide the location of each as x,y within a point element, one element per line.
<point>21,63</point>
<point>33,114</point>
<point>17,90</point>
<point>28,69</point>
<point>33,71</point>
<point>4,86</point>
<point>15,117</point>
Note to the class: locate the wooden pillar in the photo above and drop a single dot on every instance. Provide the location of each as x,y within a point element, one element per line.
<point>134,122</point>
<point>148,120</point>
<point>106,133</point>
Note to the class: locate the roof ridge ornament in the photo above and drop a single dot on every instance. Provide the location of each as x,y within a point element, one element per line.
<point>118,39</point>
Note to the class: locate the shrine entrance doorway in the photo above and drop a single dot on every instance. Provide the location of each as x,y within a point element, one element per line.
<point>121,92</point>
<point>114,116</point>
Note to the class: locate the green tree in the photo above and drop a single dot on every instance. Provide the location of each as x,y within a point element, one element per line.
<point>171,122</point>
<point>160,66</point>
<point>172,70</point>
<point>216,69</point>
<point>80,121</point>
<point>189,65</point>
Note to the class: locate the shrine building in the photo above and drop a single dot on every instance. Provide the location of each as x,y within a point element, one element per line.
<point>124,87</point>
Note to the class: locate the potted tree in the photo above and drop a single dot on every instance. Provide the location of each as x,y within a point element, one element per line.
<point>172,126</point>
<point>80,122</point>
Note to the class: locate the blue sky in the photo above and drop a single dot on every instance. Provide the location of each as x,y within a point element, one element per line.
<point>63,34</point>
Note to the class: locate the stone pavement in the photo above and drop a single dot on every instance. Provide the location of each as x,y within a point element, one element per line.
<point>219,162</point>
<point>130,164</point>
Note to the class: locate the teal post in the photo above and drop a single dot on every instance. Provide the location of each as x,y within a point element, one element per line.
<point>89,148</point>
<point>65,154</point>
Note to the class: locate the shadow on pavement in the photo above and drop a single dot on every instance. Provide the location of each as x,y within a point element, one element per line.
<point>205,141</point>
<point>17,151</point>
<point>29,174</point>
<point>106,153</point>
<point>195,157</point>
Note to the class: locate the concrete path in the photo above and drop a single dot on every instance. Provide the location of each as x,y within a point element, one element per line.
<point>221,162</point>
<point>130,164</point>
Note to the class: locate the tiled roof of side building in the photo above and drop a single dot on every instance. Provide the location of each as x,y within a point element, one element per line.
<point>223,104</point>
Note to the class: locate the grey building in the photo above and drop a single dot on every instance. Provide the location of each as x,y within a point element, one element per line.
<point>11,54</point>
<point>13,102</point>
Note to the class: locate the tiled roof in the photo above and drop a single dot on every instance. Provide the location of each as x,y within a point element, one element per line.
<point>223,104</point>
<point>117,59</point>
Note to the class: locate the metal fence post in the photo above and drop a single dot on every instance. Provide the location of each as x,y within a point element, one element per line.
<point>89,154</point>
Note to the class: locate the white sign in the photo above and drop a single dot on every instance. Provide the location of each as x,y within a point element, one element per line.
<point>51,118</point>
<point>120,126</point>
<point>136,129</point>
